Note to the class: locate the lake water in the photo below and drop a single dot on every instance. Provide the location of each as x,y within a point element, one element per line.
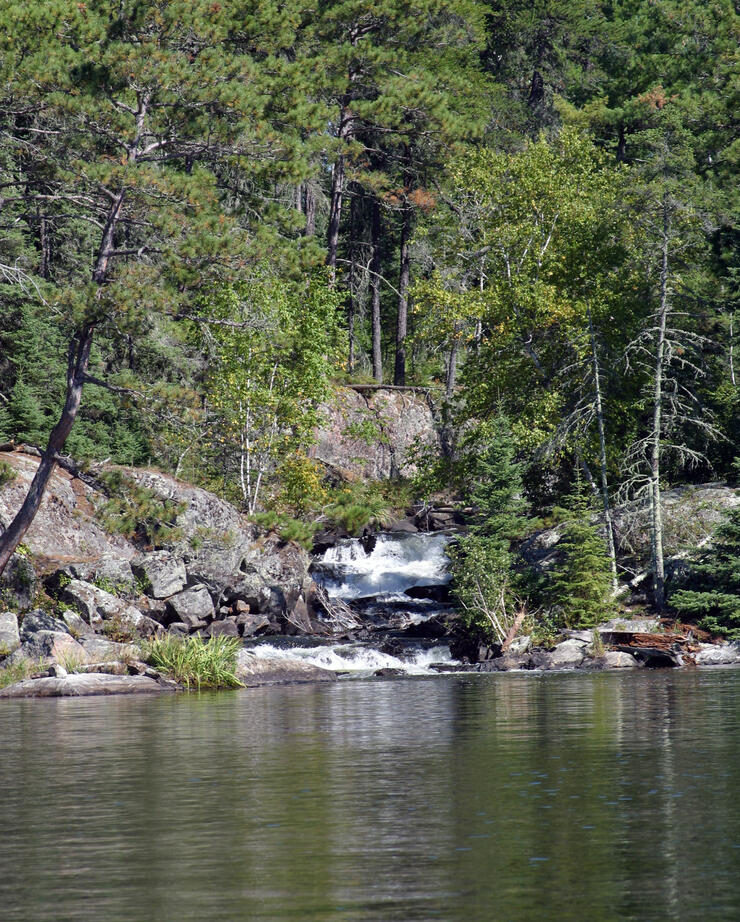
<point>511,797</point>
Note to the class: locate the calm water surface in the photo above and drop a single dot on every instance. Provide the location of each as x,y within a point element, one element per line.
<point>511,797</point>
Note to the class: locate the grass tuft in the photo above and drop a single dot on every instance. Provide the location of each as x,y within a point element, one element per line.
<point>195,662</point>
<point>19,671</point>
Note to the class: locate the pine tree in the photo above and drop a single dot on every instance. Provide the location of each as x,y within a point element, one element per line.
<point>582,582</point>
<point>27,422</point>
<point>714,599</point>
<point>484,579</point>
<point>495,483</point>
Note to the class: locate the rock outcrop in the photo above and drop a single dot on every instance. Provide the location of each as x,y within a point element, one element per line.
<point>215,577</point>
<point>374,434</point>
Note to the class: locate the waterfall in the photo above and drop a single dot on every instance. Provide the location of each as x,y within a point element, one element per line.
<point>396,583</point>
<point>386,565</point>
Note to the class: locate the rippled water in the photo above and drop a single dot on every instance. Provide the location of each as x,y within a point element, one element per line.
<point>509,797</point>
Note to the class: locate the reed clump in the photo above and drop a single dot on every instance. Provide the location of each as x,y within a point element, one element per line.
<point>195,662</point>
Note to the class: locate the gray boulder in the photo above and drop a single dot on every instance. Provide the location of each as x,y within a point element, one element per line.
<point>18,583</point>
<point>717,654</point>
<point>98,607</point>
<point>9,635</point>
<point>48,646</point>
<point>163,573</point>
<point>632,625</point>
<point>567,655</point>
<point>111,569</point>
<point>192,607</point>
<point>98,649</point>
<point>39,620</point>
<point>250,624</point>
<point>75,624</point>
<point>520,645</point>
<point>616,659</point>
<point>222,629</point>
<point>375,434</point>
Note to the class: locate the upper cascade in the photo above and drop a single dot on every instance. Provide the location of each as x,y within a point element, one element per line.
<point>355,568</point>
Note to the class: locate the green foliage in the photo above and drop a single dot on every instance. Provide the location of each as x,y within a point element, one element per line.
<point>275,347</point>
<point>713,599</point>
<point>119,630</point>
<point>137,512</point>
<point>358,506</point>
<point>194,662</point>
<point>494,481</point>
<point>19,671</point>
<point>7,474</point>
<point>367,431</point>
<point>484,584</point>
<point>288,528</point>
<point>484,580</point>
<point>581,583</point>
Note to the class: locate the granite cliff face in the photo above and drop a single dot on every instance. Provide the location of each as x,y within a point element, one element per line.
<point>376,433</point>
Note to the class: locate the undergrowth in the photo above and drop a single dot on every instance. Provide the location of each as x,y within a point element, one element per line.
<point>194,662</point>
<point>19,671</point>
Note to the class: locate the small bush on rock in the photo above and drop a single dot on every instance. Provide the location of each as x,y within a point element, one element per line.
<point>195,662</point>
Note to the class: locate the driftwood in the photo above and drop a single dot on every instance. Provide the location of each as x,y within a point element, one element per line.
<point>389,387</point>
<point>513,630</point>
<point>655,650</point>
<point>339,615</point>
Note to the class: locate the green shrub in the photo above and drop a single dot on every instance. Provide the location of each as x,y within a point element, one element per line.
<point>19,671</point>
<point>288,528</point>
<point>713,598</point>
<point>358,506</point>
<point>195,662</point>
<point>135,511</point>
<point>581,583</point>
<point>7,474</point>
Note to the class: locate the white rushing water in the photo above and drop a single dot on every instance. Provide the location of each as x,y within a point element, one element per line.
<point>395,563</point>
<point>355,659</point>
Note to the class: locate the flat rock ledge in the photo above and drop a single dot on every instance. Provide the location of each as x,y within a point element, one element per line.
<point>253,671</point>
<point>83,685</point>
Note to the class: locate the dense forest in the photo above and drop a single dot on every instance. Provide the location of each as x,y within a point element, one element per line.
<point>213,214</point>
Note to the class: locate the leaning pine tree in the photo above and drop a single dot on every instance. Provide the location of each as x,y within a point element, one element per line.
<point>714,599</point>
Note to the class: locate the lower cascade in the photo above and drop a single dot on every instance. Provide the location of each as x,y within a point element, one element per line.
<point>397,584</point>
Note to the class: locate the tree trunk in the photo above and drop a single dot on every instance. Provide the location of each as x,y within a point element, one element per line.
<point>335,214</point>
<point>77,365</point>
<point>309,209</point>
<point>399,372</point>
<point>621,146</point>
<point>602,457</point>
<point>79,356</point>
<point>447,435</point>
<point>655,508</point>
<point>732,349</point>
<point>375,267</point>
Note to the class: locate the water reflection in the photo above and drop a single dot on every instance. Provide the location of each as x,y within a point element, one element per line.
<point>512,797</point>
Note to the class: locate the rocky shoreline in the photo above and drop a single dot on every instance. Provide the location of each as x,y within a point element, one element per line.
<point>78,600</point>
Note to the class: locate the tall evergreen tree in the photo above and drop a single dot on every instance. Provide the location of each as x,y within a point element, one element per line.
<point>581,586</point>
